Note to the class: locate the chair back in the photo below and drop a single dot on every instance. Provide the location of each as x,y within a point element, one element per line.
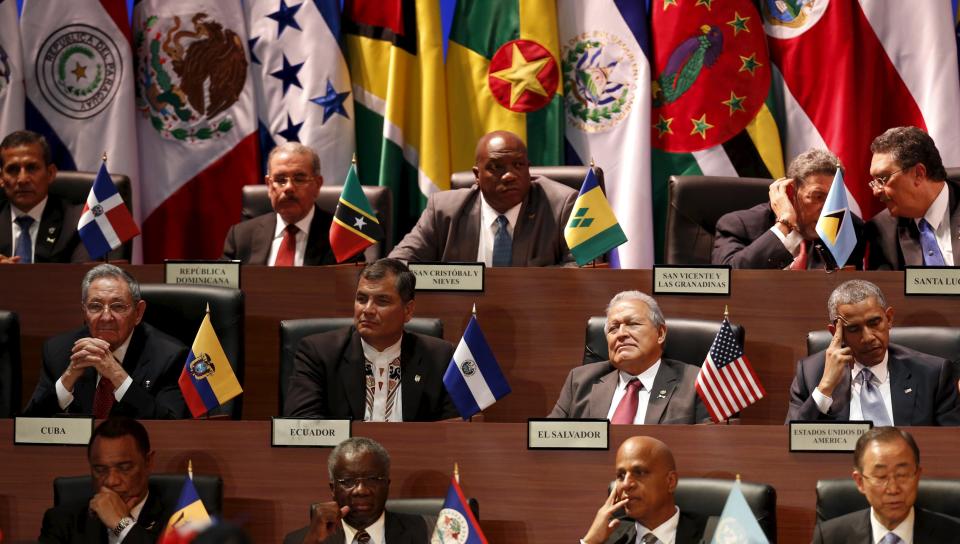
<point>10,369</point>
<point>71,489</point>
<point>571,176</point>
<point>427,506</point>
<point>840,496</point>
<point>941,342</point>
<point>688,340</point>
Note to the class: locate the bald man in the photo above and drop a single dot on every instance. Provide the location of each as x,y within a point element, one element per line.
<point>504,219</point>
<point>646,481</point>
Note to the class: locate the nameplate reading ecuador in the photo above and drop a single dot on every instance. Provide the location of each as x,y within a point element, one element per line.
<point>309,433</point>
<point>568,434</point>
<point>449,276</point>
<point>212,273</point>
<point>835,436</point>
<point>931,280</point>
<point>53,431</point>
<point>691,280</point>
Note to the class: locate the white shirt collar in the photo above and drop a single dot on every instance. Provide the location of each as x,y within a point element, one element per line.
<point>36,213</point>
<point>381,357</point>
<point>376,530</point>
<point>666,532</point>
<point>937,212</point>
<point>646,377</point>
<point>303,224</point>
<point>488,216</point>
<point>881,370</point>
<point>904,530</point>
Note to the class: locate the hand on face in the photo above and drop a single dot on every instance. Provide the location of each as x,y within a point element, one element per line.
<point>110,508</point>
<point>325,522</point>
<point>782,204</point>
<point>838,361</point>
<point>604,523</point>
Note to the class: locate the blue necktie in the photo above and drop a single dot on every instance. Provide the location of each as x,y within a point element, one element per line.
<point>871,401</point>
<point>928,241</point>
<point>502,243</point>
<point>24,248</point>
<point>890,538</point>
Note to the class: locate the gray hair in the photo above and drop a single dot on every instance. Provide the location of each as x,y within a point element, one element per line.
<point>296,148</point>
<point>655,315</point>
<point>357,445</point>
<point>852,292</point>
<point>812,162</point>
<point>109,271</point>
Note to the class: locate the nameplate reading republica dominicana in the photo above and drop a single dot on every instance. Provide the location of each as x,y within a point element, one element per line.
<point>53,431</point>
<point>691,280</point>
<point>309,433</point>
<point>568,434</point>
<point>838,436</point>
<point>212,273</point>
<point>448,276</point>
<point>931,280</point>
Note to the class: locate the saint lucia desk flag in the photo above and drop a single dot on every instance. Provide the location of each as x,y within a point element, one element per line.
<point>190,517</point>
<point>207,379</point>
<point>106,222</point>
<point>737,522</point>
<point>835,225</point>
<point>456,523</point>
<point>474,379</point>
<point>592,229</point>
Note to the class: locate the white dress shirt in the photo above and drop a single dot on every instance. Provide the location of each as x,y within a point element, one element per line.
<point>376,530</point>
<point>881,378</point>
<point>36,213</point>
<point>904,530</point>
<point>302,234</point>
<point>64,397</point>
<point>666,532</point>
<point>938,215</point>
<point>488,228</point>
<point>646,378</point>
<point>381,367</point>
<point>790,241</point>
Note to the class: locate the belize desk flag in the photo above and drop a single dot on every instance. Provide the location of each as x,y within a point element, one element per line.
<point>456,523</point>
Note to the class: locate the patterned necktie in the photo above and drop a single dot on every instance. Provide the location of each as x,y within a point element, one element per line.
<point>502,243</point>
<point>890,538</point>
<point>288,247</point>
<point>928,241</point>
<point>626,411</point>
<point>649,538</point>
<point>800,262</point>
<point>103,399</point>
<point>362,537</point>
<point>871,401</point>
<point>24,247</point>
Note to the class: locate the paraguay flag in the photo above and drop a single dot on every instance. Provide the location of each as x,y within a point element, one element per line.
<point>835,226</point>
<point>474,379</point>
<point>106,222</point>
<point>592,229</point>
<point>207,379</point>
<point>189,519</point>
<point>456,523</point>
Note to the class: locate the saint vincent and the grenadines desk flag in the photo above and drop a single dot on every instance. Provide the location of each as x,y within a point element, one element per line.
<point>207,379</point>
<point>592,229</point>
<point>189,519</point>
<point>835,225</point>
<point>355,226</point>
<point>474,379</point>
<point>456,523</point>
<point>106,222</point>
<point>737,522</point>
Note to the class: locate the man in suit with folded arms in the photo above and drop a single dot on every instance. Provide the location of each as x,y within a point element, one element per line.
<point>636,386</point>
<point>862,376</point>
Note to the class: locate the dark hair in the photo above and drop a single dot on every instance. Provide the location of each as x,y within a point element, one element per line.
<point>911,146</point>
<point>883,434</point>
<point>120,426</point>
<point>28,137</point>
<point>406,280</point>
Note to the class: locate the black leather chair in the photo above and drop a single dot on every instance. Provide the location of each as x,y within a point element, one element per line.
<point>68,489</point>
<point>256,202</point>
<point>695,205</point>
<point>294,330</point>
<point>953,174</point>
<point>571,176</point>
<point>10,377</point>
<point>840,496</point>
<point>688,340</point>
<point>178,311</point>
<point>429,506</point>
<point>939,341</point>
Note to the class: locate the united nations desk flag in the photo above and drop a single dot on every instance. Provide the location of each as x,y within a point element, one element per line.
<point>106,222</point>
<point>456,523</point>
<point>207,379</point>
<point>737,522</point>
<point>835,225</point>
<point>355,227</point>
<point>190,517</point>
<point>474,379</point>
<point>592,229</point>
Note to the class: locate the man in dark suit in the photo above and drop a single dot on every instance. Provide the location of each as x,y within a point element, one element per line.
<point>373,371</point>
<point>298,233</point>
<point>35,227</point>
<point>360,483</point>
<point>114,364</point>
<point>862,376</point>
<point>636,386</point>
<point>921,225</point>
<point>505,219</point>
<point>782,233</point>
<point>646,481</point>
<point>887,472</point>
<point>124,508</point>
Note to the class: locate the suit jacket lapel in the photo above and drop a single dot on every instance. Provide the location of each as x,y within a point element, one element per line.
<point>393,530</point>
<point>598,404</point>
<point>466,232</point>
<point>840,408</point>
<point>666,381</point>
<point>352,377</point>
<point>6,230</point>
<point>262,240</point>
<point>523,230</point>
<point>901,381</point>
<point>83,392</point>
<point>51,223</point>
<point>411,367</point>
<point>954,221</point>
<point>152,516</point>
<point>318,241</point>
<point>909,237</point>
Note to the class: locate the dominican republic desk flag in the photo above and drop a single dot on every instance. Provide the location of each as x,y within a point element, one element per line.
<point>106,222</point>
<point>355,227</point>
<point>207,379</point>
<point>456,523</point>
<point>738,522</point>
<point>592,229</point>
<point>727,382</point>
<point>474,379</point>
<point>835,225</point>
<point>190,517</point>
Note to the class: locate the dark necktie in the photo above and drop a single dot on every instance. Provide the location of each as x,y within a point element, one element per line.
<point>103,399</point>
<point>288,247</point>
<point>502,243</point>
<point>871,401</point>
<point>626,411</point>
<point>649,538</point>
<point>24,247</point>
<point>928,241</point>
<point>362,537</point>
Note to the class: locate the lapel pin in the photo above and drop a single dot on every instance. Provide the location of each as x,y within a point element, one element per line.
<point>908,390</point>
<point>416,378</point>
<point>51,230</point>
<point>662,394</point>
<point>146,384</point>
<point>51,240</point>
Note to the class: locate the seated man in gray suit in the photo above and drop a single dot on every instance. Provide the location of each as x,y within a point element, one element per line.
<point>505,219</point>
<point>862,376</point>
<point>886,468</point>
<point>360,482</point>
<point>636,386</point>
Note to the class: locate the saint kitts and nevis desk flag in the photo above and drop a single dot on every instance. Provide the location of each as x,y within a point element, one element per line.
<point>474,379</point>
<point>106,222</point>
<point>355,226</point>
<point>207,379</point>
<point>835,225</point>
<point>727,382</point>
<point>592,229</point>
<point>456,523</point>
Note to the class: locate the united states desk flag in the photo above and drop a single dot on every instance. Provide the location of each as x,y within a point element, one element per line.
<point>737,522</point>
<point>727,382</point>
<point>456,523</point>
<point>190,517</point>
<point>355,227</point>
<point>474,379</point>
<point>207,379</point>
<point>835,225</point>
<point>106,222</point>
<point>592,229</point>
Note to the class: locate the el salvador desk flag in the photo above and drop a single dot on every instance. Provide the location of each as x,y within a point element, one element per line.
<point>455,522</point>
<point>106,222</point>
<point>835,225</point>
<point>474,379</point>
<point>207,379</point>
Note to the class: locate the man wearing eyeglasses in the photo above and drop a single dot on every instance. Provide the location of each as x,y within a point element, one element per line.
<point>921,225</point>
<point>114,364</point>
<point>886,469</point>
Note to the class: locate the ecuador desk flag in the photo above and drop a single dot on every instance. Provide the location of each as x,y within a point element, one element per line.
<point>456,523</point>
<point>474,379</point>
<point>207,379</point>
<point>355,227</point>
<point>738,522</point>
<point>190,517</point>
<point>835,226</point>
<point>106,222</point>
<point>592,229</point>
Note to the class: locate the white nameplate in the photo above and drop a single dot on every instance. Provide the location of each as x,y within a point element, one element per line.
<point>826,436</point>
<point>691,280</point>
<point>212,273</point>
<point>53,431</point>
<point>568,434</point>
<point>927,280</point>
<point>448,276</point>
<point>309,433</point>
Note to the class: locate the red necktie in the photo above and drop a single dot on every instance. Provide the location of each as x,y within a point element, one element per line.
<point>626,411</point>
<point>288,247</point>
<point>800,262</point>
<point>103,399</point>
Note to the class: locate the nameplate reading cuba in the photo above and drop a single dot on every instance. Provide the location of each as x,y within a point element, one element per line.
<point>309,433</point>
<point>568,434</point>
<point>53,431</point>
<point>936,281</point>
<point>691,280</point>
<point>839,436</point>
<point>448,276</point>
<point>212,273</point>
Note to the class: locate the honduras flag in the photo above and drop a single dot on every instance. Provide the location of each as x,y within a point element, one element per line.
<point>456,523</point>
<point>737,522</point>
<point>835,225</point>
<point>106,222</point>
<point>474,379</point>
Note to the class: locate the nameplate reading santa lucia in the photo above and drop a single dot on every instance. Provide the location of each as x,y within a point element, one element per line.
<point>836,436</point>
<point>53,431</point>
<point>568,434</point>
<point>309,433</point>
<point>448,276</point>
<point>691,280</point>
<point>212,273</point>
<point>931,280</point>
